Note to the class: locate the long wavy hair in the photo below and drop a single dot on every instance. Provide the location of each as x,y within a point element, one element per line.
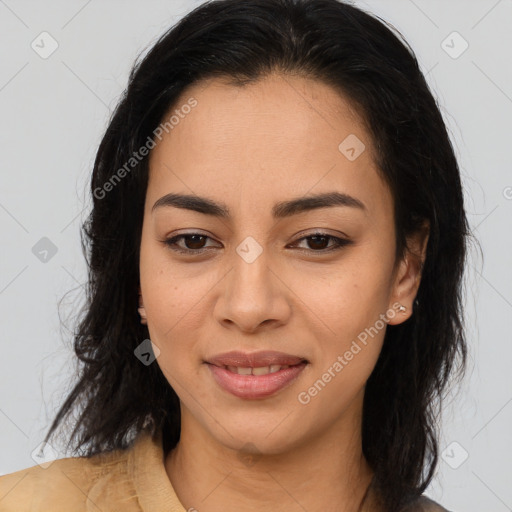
<point>367,61</point>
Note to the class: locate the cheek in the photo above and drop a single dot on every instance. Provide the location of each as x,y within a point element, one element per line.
<point>348,296</point>
<point>167,290</point>
<point>171,306</point>
<point>174,302</point>
<point>348,303</point>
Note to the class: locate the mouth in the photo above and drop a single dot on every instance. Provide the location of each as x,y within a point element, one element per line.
<point>255,375</point>
<point>260,359</point>
<point>260,370</point>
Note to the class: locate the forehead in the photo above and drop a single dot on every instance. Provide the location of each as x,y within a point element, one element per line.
<point>282,136</point>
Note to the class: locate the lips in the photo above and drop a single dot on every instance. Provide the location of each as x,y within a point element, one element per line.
<point>255,375</point>
<point>255,359</point>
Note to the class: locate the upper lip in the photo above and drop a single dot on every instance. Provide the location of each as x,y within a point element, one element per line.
<point>255,359</point>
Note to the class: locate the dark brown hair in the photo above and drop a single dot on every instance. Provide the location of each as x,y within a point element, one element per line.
<point>370,63</point>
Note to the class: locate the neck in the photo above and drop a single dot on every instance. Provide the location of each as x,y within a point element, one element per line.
<point>328,473</point>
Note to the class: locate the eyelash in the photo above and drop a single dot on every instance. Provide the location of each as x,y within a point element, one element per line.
<point>339,243</point>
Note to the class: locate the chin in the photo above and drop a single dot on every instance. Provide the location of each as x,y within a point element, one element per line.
<point>258,437</point>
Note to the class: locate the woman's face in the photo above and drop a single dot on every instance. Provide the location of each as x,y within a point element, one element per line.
<point>256,279</point>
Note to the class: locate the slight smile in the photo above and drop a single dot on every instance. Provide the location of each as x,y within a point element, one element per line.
<point>255,375</point>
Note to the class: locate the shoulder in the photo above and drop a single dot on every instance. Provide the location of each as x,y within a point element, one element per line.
<point>424,504</point>
<point>67,484</point>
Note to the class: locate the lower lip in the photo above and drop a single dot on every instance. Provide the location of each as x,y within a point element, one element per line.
<point>255,386</point>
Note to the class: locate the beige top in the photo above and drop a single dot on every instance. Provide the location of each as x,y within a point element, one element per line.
<point>132,480</point>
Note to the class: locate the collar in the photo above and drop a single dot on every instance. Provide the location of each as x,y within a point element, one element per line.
<point>146,467</point>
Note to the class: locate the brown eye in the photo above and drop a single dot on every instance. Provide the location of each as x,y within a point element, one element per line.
<point>319,242</point>
<point>193,243</point>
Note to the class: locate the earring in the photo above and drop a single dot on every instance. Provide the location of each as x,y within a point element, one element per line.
<point>142,312</point>
<point>402,308</point>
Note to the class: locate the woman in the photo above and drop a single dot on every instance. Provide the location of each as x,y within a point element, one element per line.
<point>275,251</point>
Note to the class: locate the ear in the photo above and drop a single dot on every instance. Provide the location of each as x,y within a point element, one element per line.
<point>142,310</point>
<point>408,276</point>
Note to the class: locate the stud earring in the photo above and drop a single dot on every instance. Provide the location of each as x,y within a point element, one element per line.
<point>402,308</point>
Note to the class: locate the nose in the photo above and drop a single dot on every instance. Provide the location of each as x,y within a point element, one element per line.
<point>253,297</point>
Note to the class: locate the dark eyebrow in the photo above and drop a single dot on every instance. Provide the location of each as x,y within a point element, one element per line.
<point>279,211</point>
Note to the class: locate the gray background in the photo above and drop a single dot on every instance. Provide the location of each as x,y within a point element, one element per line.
<point>53,113</point>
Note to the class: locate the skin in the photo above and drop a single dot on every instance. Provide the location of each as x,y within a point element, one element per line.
<point>250,147</point>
